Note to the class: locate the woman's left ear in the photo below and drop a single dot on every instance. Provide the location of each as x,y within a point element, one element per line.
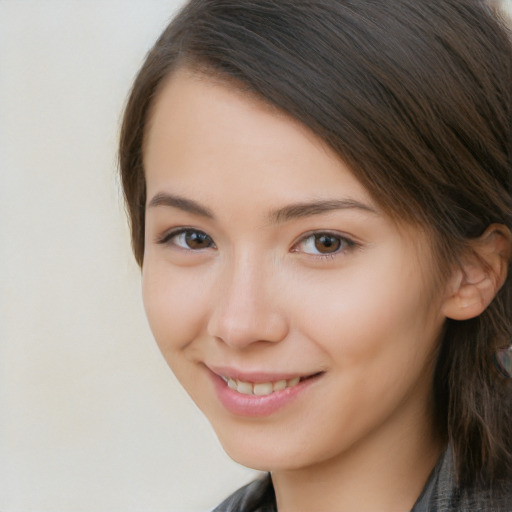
<point>482,273</point>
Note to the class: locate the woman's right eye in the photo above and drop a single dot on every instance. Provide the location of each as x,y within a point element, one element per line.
<point>189,239</point>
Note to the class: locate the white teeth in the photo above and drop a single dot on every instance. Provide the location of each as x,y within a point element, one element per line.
<point>293,382</point>
<point>244,387</point>
<point>279,385</point>
<point>260,388</point>
<point>263,388</point>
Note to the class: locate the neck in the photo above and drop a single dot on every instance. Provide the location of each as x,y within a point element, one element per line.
<point>385,472</point>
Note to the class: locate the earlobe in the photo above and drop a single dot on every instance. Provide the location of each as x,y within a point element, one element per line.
<point>482,273</point>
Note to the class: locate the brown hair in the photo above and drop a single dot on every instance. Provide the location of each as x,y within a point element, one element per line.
<point>415,97</point>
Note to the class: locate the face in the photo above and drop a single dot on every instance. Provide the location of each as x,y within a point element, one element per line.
<point>296,314</point>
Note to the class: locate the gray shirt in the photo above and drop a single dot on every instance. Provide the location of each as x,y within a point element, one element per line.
<point>440,494</point>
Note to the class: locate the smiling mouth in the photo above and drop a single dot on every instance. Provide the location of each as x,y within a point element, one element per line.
<point>262,388</point>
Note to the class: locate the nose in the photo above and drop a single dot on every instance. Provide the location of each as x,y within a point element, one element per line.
<point>247,309</point>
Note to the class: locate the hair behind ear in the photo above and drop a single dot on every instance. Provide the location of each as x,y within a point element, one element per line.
<point>474,400</point>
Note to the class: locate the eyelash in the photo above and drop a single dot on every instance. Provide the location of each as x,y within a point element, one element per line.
<point>345,244</point>
<point>166,238</point>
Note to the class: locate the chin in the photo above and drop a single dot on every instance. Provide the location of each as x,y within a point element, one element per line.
<point>260,460</point>
<point>267,455</point>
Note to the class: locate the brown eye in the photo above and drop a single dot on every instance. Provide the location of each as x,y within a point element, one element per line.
<point>197,240</point>
<point>324,244</point>
<point>189,239</point>
<point>327,244</point>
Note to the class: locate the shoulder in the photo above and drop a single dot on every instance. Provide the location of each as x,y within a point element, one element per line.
<point>497,499</point>
<point>442,493</point>
<point>258,496</point>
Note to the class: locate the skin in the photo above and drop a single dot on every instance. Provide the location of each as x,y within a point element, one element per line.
<point>260,293</point>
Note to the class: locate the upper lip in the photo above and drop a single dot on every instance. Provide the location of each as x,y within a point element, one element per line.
<point>256,376</point>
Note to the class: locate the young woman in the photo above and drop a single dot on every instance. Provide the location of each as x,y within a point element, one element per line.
<point>320,201</point>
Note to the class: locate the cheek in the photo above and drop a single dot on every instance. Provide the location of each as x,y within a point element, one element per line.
<point>373,315</point>
<point>379,336</point>
<point>174,306</point>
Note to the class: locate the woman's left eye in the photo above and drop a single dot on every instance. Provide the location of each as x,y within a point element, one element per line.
<point>324,244</point>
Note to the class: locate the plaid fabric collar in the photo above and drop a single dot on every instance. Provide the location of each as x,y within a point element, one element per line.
<point>440,494</point>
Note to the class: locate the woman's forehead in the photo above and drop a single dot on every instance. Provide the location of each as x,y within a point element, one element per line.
<point>202,130</point>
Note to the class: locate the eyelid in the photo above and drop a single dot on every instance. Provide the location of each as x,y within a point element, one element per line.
<point>166,237</point>
<point>348,243</point>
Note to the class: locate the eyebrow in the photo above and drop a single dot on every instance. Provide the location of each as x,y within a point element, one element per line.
<point>279,216</point>
<point>181,203</point>
<point>298,210</point>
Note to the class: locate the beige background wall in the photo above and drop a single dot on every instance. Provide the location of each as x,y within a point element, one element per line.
<point>91,419</point>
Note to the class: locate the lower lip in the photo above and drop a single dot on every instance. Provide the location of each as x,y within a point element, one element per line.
<point>254,405</point>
